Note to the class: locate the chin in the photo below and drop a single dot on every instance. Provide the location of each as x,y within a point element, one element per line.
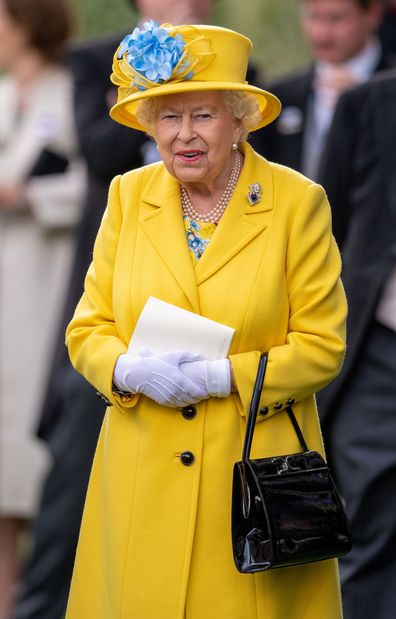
<point>189,176</point>
<point>330,56</point>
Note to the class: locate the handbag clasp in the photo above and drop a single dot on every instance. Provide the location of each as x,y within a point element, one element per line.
<point>285,466</point>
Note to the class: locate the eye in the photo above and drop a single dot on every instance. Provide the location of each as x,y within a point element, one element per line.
<point>202,116</point>
<point>169,117</point>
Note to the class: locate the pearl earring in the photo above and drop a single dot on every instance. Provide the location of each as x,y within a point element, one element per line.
<point>235,146</point>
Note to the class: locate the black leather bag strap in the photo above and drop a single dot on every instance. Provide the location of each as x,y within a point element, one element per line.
<point>254,404</point>
<point>297,428</point>
<point>253,410</point>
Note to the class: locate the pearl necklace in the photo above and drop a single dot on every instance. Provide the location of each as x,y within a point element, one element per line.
<point>215,213</point>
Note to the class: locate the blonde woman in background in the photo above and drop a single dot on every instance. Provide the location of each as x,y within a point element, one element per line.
<point>41,187</point>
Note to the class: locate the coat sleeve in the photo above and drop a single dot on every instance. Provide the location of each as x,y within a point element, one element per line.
<point>91,336</point>
<point>314,348</point>
<point>56,199</point>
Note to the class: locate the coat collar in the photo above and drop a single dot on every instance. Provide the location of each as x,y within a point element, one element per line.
<point>241,223</point>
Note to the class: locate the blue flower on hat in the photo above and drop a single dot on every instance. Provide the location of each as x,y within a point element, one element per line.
<point>152,52</point>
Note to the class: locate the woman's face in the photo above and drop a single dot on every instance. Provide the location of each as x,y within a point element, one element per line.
<point>194,134</point>
<point>13,39</point>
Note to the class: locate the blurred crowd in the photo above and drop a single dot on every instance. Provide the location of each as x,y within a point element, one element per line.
<point>59,151</point>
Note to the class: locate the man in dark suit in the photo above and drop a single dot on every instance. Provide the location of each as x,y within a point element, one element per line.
<point>341,36</point>
<point>387,31</point>
<point>358,410</point>
<point>73,413</point>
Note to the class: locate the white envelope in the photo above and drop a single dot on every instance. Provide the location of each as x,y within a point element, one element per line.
<point>163,327</point>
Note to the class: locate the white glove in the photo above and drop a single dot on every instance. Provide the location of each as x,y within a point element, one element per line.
<point>159,377</point>
<point>214,376</point>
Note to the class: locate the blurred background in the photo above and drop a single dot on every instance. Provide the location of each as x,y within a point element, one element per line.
<point>273,27</point>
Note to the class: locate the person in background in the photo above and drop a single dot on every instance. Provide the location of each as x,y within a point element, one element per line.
<point>42,183</point>
<point>73,413</point>
<point>358,410</point>
<point>341,35</point>
<point>154,540</point>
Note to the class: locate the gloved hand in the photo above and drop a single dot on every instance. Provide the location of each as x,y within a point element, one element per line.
<point>214,376</point>
<point>159,377</point>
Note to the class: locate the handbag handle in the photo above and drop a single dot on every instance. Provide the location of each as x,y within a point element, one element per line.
<point>253,409</point>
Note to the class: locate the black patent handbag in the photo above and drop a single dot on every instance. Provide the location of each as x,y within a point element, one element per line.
<point>286,510</point>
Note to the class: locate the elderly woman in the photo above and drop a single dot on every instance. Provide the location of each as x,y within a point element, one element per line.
<point>216,230</point>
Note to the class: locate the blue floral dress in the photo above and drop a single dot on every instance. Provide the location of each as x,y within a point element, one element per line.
<point>198,235</point>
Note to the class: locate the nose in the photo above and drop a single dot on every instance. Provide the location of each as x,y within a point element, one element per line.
<point>186,129</point>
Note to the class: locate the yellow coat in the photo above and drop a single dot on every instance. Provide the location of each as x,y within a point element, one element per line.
<point>155,540</point>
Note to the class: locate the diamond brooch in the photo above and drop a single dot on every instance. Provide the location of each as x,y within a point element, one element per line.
<point>254,194</point>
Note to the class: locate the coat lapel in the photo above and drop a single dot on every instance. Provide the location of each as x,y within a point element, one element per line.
<point>241,222</point>
<point>163,224</point>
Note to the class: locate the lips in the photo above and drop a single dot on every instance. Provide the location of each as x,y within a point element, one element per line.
<point>189,155</point>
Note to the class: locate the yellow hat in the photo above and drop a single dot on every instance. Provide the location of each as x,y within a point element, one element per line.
<point>161,60</point>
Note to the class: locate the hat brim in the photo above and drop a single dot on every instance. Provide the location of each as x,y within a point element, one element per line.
<point>124,111</point>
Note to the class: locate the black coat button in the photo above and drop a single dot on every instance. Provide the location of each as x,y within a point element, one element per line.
<point>290,401</point>
<point>264,410</point>
<point>189,412</point>
<point>187,458</point>
<point>278,406</point>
